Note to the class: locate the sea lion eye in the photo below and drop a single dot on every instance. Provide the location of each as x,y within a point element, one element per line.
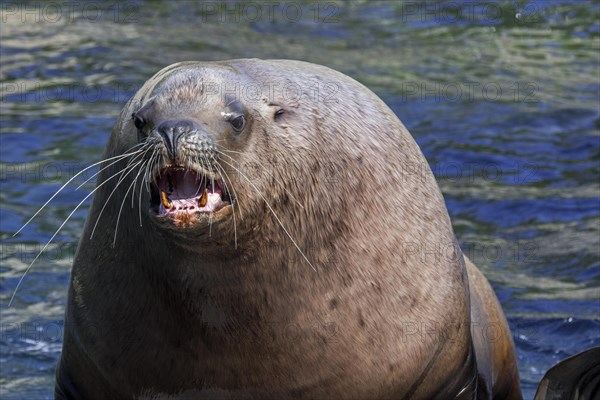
<point>138,121</point>
<point>234,114</point>
<point>238,123</point>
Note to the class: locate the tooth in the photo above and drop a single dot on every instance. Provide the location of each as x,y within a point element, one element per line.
<point>165,200</point>
<point>204,199</point>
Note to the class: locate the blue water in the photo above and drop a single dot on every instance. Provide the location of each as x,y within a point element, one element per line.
<point>502,97</point>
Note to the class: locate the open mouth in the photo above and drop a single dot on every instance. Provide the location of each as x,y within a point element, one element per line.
<point>182,190</point>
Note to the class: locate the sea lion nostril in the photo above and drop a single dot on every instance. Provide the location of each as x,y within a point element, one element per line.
<point>172,130</point>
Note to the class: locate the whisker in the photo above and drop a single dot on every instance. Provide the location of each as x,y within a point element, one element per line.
<point>140,195</point>
<point>225,176</point>
<point>151,167</point>
<point>145,166</point>
<point>112,163</point>
<point>273,177</point>
<point>53,236</point>
<point>232,151</point>
<point>143,155</point>
<point>119,157</point>
<point>212,181</point>
<point>125,198</point>
<point>220,168</point>
<point>274,214</point>
<point>122,176</point>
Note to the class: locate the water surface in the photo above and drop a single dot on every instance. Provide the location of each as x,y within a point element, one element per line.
<point>502,97</point>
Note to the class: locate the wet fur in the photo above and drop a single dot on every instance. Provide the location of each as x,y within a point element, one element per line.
<point>173,309</point>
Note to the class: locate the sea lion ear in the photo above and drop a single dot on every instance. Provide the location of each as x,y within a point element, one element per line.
<point>279,112</point>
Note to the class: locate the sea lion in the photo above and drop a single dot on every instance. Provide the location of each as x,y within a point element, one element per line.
<point>328,270</point>
<point>575,378</point>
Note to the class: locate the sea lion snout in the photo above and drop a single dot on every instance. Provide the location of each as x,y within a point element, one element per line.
<point>184,142</point>
<point>171,131</point>
<point>184,139</point>
<point>183,170</point>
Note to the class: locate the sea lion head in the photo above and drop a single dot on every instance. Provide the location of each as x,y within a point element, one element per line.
<point>228,149</point>
<point>190,141</point>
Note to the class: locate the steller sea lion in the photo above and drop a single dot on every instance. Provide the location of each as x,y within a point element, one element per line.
<point>327,269</point>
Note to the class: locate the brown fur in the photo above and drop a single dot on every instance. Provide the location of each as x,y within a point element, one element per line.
<point>178,309</point>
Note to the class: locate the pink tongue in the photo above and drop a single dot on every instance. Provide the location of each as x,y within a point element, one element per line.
<point>181,184</point>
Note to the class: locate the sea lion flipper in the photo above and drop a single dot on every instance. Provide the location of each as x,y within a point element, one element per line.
<point>576,377</point>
